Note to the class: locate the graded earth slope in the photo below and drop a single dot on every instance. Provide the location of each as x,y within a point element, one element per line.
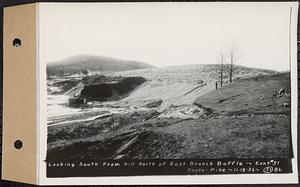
<point>181,85</point>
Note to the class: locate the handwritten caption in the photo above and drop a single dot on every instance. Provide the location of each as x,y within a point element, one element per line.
<point>188,167</point>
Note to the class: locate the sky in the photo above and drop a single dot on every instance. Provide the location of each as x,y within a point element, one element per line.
<point>167,34</point>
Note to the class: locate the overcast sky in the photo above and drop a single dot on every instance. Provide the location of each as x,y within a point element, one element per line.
<point>164,34</point>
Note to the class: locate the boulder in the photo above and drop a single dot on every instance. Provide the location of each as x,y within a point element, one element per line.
<point>282,91</point>
<point>155,103</point>
<point>286,105</point>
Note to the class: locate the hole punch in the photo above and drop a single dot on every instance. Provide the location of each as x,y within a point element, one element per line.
<point>18,144</point>
<point>17,43</point>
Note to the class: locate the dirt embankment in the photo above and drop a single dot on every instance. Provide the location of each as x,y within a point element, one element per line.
<point>96,87</point>
<point>61,86</point>
<point>249,118</point>
<point>102,88</point>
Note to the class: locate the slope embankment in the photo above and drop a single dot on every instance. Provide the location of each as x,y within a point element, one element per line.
<point>96,87</point>
<point>255,95</point>
<point>180,85</point>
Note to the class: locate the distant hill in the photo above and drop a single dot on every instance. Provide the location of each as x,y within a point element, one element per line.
<point>79,63</point>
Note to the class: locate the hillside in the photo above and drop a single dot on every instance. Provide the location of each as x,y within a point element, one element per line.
<point>181,85</point>
<point>76,64</point>
<point>255,95</point>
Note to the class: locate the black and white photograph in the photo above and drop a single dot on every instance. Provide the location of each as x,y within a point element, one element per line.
<point>156,81</point>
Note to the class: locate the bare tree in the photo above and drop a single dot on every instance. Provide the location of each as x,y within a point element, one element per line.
<point>233,57</point>
<point>222,62</point>
<point>220,70</point>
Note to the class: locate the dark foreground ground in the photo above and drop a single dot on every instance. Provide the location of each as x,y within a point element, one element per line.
<point>245,119</point>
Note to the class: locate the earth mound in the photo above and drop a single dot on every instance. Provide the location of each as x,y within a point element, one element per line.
<point>103,88</point>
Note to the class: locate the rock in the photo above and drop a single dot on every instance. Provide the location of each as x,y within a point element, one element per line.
<point>262,98</point>
<point>195,111</point>
<point>205,145</point>
<point>155,103</point>
<point>282,91</point>
<point>246,104</point>
<point>115,106</point>
<point>174,106</point>
<point>286,105</point>
<point>200,82</point>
